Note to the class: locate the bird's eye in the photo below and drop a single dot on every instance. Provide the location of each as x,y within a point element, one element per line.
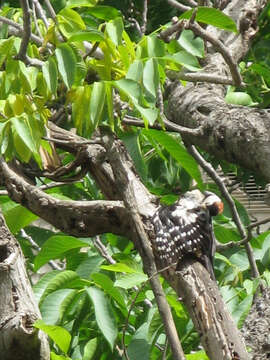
<point>202,216</point>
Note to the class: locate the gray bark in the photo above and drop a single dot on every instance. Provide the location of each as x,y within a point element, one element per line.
<point>18,310</point>
<point>238,134</point>
<point>139,206</point>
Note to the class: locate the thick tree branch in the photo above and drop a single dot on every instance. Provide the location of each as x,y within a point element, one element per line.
<point>237,134</point>
<point>126,181</point>
<point>201,296</point>
<point>78,218</point>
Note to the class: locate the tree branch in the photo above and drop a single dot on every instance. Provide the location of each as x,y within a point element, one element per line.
<point>208,168</point>
<point>128,183</point>
<point>18,309</point>
<point>26,37</point>
<point>78,218</point>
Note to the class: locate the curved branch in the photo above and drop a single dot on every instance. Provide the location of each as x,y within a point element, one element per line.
<point>77,218</point>
<point>238,134</point>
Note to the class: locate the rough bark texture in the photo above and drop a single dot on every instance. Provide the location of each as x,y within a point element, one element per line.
<point>256,328</point>
<point>139,206</point>
<point>77,218</point>
<point>209,314</point>
<point>18,310</point>
<point>238,134</point>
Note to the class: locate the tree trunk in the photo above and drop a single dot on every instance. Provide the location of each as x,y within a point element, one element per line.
<point>18,310</point>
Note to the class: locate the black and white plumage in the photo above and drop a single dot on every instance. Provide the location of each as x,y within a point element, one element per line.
<point>185,228</point>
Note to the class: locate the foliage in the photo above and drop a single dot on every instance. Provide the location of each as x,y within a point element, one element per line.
<point>89,306</point>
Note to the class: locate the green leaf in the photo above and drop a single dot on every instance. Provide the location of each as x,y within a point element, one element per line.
<point>200,355</point>
<point>115,29</point>
<point>242,310</point>
<point>193,45</point>
<point>5,136</point>
<point>130,87</point>
<point>239,98</point>
<point>5,49</point>
<point>66,60</point>
<point>226,233</point>
<point>133,90</point>
<point>51,307</point>
<point>149,115</point>
<point>49,70</point>
<point>131,141</point>
<point>108,286</point>
<point>55,247</point>
<point>97,103</point>
<point>81,108</point>
<point>58,357</point>
<point>61,280</point>
<point>104,315</point>
<point>28,77</point>
<point>262,70</point>
<point>109,103</point>
<point>139,348</point>
<point>21,126</point>
<point>69,22</point>
<point>40,287</point>
<point>151,77</point>
<point>240,260</point>
<point>177,151</point>
<point>155,46</point>
<point>213,17</point>
<point>129,280</point>
<point>17,217</point>
<point>88,266</point>
<point>78,3</point>
<point>89,349</point>
<point>135,71</point>
<point>120,267</point>
<point>185,59</point>
<point>59,335</point>
<point>104,12</point>
<point>90,35</point>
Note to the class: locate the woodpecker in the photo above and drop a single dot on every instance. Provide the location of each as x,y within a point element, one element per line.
<point>185,229</point>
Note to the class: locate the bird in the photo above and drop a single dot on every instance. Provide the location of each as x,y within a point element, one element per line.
<point>185,229</point>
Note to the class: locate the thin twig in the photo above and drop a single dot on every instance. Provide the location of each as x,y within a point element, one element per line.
<point>51,10</point>
<point>218,45</point>
<point>191,3</point>
<point>178,6</point>
<point>103,250</point>
<point>250,227</point>
<point>35,246</point>
<point>104,253</point>
<point>208,168</point>
<point>201,77</point>
<point>26,37</point>
<point>198,30</point>
<point>133,303</point>
<point>18,31</point>
<point>27,29</point>
<point>144,17</point>
<point>168,125</point>
<point>34,12</point>
<point>41,13</point>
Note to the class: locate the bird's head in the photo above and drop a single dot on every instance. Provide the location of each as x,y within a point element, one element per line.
<point>213,203</point>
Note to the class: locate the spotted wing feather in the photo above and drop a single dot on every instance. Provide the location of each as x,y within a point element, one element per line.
<point>183,229</point>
